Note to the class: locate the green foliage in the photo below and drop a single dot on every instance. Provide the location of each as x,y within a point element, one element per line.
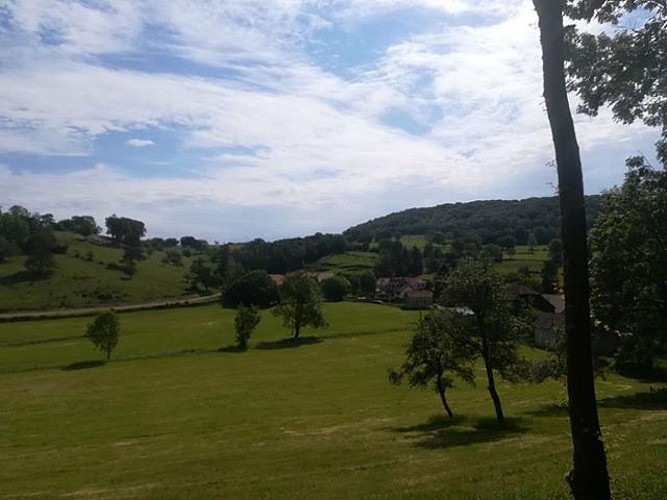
<point>300,303</point>
<point>435,353</point>
<point>489,220</point>
<point>246,320</point>
<point>629,265</point>
<point>84,225</point>
<point>624,67</point>
<point>492,326</point>
<point>125,230</point>
<point>335,288</point>
<point>173,257</point>
<point>253,288</point>
<point>201,275</point>
<point>131,255</point>
<point>40,247</point>
<point>104,331</point>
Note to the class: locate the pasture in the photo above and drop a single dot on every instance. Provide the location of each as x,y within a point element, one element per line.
<point>88,275</point>
<point>174,416</point>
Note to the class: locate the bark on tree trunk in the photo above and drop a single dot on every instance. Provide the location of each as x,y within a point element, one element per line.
<point>588,478</point>
<point>443,398</point>
<point>500,416</point>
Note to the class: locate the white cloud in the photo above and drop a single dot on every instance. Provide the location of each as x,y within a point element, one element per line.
<point>312,145</point>
<point>139,143</point>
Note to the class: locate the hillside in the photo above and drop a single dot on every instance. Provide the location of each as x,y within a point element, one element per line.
<point>86,275</point>
<point>491,220</point>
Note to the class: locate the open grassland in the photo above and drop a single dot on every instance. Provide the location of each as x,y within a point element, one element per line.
<point>524,258</point>
<point>173,417</point>
<point>350,262</point>
<point>81,280</point>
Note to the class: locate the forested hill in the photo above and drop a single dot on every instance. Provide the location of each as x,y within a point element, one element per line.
<point>490,220</point>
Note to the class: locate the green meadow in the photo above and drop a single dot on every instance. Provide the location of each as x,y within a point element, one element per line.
<point>81,280</point>
<point>179,414</point>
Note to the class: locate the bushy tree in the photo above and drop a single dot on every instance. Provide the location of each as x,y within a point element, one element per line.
<point>104,332</point>
<point>335,288</point>
<point>246,320</point>
<point>125,230</point>
<point>300,303</point>
<point>40,249</point>
<point>253,288</point>
<point>435,353</point>
<point>629,266</point>
<point>492,326</point>
<point>367,283</point>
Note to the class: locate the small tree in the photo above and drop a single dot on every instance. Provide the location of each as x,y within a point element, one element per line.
<point>494,326</point>
<point>247,318</point>
<point>104,331</point>
<point>300,303</point>
<point>435,353</point>
<point>335,288</point>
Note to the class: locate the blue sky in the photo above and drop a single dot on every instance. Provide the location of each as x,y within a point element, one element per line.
<point>241,119</point>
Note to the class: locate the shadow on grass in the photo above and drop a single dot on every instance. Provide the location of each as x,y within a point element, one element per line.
<point>22,277</point>
<point>84,365</point>
<point>444,432</point>
<point>289,343</point>
<point>233,349</point>
<point>655,399</point>
<point>550,410</point>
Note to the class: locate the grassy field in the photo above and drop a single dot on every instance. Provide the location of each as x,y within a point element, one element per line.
<point>524,258</point>
<point>350,262</point>
<point>79,282</point>
<point>174,417</point>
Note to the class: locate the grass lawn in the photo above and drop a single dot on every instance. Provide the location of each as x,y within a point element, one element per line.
<point>79,282</point>
<point>350,262</point>
<point>172,417</point>
<point>524,258</point>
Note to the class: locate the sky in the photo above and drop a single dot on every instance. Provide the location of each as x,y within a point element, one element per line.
<point>237,119</point>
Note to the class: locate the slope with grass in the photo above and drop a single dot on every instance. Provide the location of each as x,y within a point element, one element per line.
<point>174,417</point>
<point>89,275</point>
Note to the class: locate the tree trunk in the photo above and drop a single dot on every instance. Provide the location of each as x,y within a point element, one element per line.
<point>443,398</point>
<point>588,478</point>
<point>500,416</point>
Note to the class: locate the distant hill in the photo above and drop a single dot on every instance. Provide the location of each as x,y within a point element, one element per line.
<point>490,220</point>
<point>87,274</point>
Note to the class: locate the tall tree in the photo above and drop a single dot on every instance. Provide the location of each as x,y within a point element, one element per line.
<point>629,266</point>
<point>300,303</point>
<point>588,478</point>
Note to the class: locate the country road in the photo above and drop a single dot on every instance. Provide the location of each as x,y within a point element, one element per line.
<point>90,311</point>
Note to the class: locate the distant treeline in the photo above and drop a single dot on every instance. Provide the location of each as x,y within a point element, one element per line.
<point>490,221</point>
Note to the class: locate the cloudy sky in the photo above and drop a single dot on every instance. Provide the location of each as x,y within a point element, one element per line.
<point>236,119</point>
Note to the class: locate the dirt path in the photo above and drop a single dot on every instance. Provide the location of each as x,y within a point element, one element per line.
<point>90,311</point>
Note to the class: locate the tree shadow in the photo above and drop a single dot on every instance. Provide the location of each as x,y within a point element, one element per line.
<point>22,277</point>
<point>84,365</point>
<point>444,432</point>
<point>233,349</point>
<point>288,343</point>
<point>550,410</point>
<point>655,399</point>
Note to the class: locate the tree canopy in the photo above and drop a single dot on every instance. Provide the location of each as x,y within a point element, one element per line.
<point>300,303</point>
<point>104,332</point>
<point>623,67</point>
<point>629,265</point>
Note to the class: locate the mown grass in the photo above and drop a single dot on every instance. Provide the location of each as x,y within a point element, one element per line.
<point>173,417</point>
<point>350,262</point>
<point>79,282</point>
